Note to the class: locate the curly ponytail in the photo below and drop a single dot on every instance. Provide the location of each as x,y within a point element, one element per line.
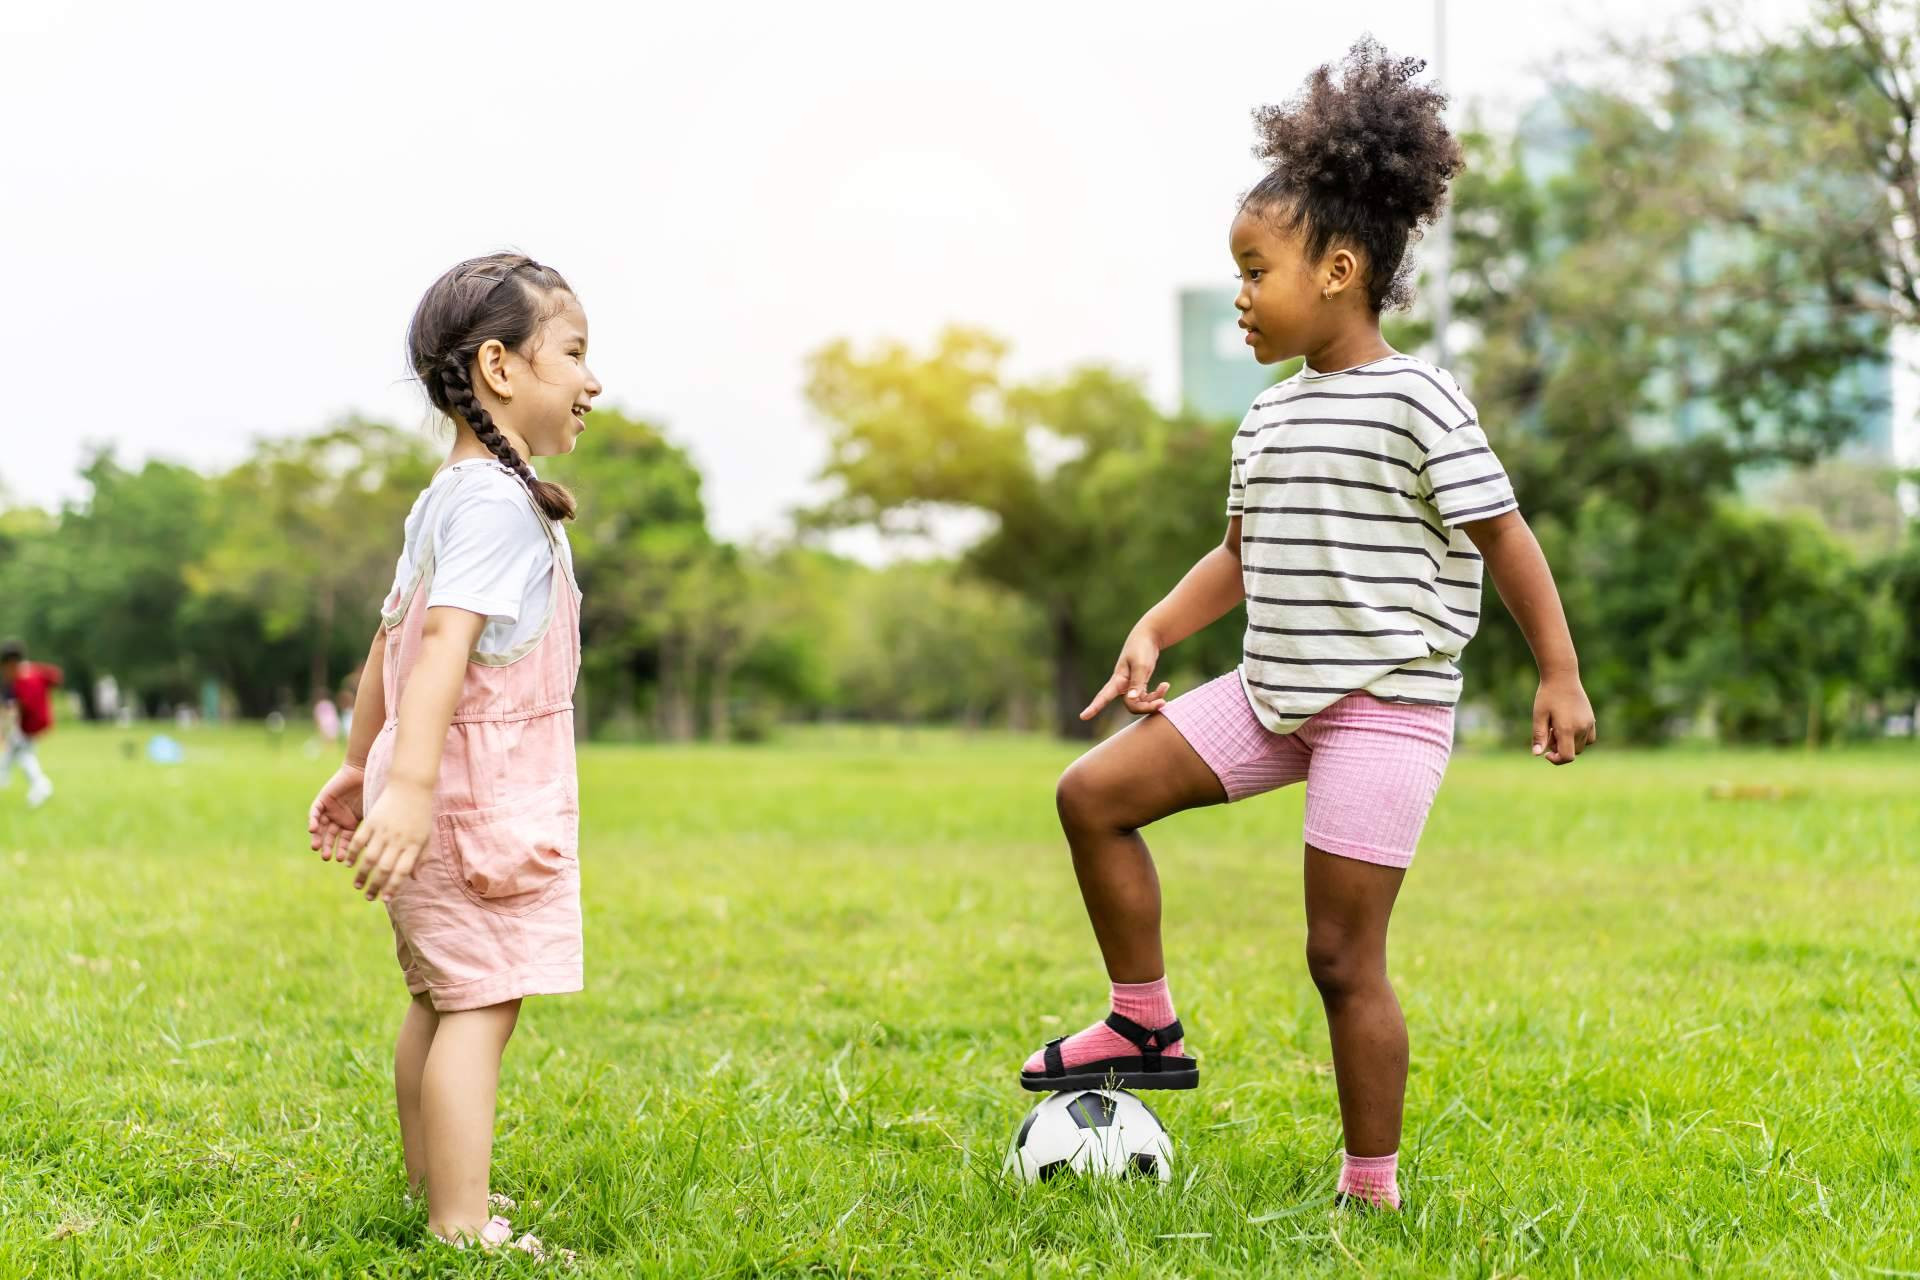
<point>499,298</point>
<point>1363,157</point>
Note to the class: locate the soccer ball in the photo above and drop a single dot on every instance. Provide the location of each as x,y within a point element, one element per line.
<point>1106,1133</point>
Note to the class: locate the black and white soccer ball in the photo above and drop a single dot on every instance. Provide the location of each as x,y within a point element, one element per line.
<point>1106,1133</point>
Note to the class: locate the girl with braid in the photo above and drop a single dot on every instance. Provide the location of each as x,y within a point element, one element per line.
<point>458,803</point>
<point>1363,505</point>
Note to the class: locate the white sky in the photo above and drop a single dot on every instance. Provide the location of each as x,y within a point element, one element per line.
<point>217,217</point>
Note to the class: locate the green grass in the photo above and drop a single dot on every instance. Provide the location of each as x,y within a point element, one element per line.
<point>1653,1033</point>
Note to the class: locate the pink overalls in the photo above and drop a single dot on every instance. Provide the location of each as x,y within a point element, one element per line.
<point>492,912</point>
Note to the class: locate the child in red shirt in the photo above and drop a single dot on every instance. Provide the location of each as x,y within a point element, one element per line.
<point>26,687</point>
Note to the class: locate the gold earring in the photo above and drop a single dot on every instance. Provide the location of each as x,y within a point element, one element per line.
<point>1326,293</point>
<point>507,399</point>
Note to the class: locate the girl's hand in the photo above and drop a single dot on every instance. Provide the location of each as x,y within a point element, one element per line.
<point>336,811</point>
<point>1562,719</point>
<point>1130,678</point>
<point>391,839</point>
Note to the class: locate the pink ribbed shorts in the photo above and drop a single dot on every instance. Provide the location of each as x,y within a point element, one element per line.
<point>1372,768</point>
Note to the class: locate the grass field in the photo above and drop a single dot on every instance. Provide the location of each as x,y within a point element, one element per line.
<point>1653,1033</point>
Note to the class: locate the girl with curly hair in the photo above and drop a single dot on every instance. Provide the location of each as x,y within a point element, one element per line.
<point>1364,504</point>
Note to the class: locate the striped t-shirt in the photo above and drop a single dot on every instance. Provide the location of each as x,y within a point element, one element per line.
<point>1352,487</point>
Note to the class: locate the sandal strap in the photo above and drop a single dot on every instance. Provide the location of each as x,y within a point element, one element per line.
<point>1152,1043</point>
<point>1050,1057</point>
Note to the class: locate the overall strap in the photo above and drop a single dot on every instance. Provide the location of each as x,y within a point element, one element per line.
<point>561,580</point>
<point>423,558</point>
<point>551,528</point>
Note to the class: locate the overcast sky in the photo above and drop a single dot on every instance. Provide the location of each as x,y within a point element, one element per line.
<point>217,218</point>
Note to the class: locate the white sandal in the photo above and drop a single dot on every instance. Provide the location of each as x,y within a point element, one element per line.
<point>497,1232</point>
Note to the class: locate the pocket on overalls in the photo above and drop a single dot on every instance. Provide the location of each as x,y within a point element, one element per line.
<point>512,857</point>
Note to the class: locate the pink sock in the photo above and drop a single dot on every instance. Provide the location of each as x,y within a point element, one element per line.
<point>1371,1178</point>
<point>1147,1003</point>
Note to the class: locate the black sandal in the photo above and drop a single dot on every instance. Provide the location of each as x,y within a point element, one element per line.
<point>1152,1069</point>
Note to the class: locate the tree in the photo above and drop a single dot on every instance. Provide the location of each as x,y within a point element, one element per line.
<point>1857,501</point>
<point>1900,576</point>
<point>1677,301</point>
<point>934,643</point>
<point>309,531</point>
<point>1098,502</point>
<point>102,589</point>
<point>1801,632</point>
<point>1838,95</point>
<point>651,572</point>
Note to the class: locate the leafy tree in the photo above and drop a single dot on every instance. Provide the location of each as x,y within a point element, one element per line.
<point>1676,304</point>
<point>640,547</point>
<point>1899,575</point>
<point>1801,632</point>
<point>102,590</point>
<point>308,532</point>
<point>1098,502</point>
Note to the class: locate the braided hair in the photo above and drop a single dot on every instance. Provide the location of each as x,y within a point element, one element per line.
<point>504,298</point>
<point>1362,159</point>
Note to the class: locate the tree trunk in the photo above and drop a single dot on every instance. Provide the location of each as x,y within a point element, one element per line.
<point>679,673</point>
<point>666,690</point>
<point>720,700</point>
<point>1070,693</point>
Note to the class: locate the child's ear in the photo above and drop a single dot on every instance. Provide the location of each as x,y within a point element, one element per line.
<point>492,361</point>
<point>1343,270</point>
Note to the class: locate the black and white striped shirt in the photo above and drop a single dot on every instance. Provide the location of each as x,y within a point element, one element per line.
<point>1352,487</point>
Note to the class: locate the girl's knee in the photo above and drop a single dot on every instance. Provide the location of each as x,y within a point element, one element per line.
<point>1342,962</point>
<point>1077,797</point>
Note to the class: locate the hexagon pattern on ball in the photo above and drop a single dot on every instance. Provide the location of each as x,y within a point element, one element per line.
<point>1094,1132</point>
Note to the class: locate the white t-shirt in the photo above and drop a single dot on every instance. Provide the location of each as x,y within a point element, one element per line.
<point>1353,488</point>
<point>490,555</point>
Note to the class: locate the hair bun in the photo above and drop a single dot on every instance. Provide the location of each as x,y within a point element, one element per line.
<point>1366,132</point>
